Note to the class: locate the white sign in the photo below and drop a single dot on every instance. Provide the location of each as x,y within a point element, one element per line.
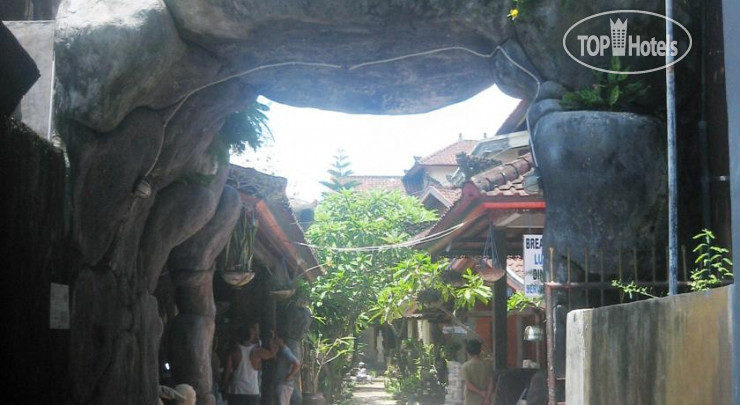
<point>454,330</point>
<point>534,275</point>
<point>59,306</point>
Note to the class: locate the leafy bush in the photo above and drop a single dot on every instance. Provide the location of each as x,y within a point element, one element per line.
<point>519,301</point>
<point>415,376</point>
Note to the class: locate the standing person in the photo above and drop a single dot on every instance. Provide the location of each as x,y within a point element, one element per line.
<point>241,376</point>
<point>478,376</point>
<point>286,368</point>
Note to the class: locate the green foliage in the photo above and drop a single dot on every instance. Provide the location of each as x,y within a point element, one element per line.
<point>347,219</point>
<point>339,173</point>
<point>712,267</point>
<point>239,251</point>
<point>342,296</point>
<point>632,288</point>
<point>713,264</point>
<point>241,129</point>
<point>412,282</point>
<point>362,284</point>
<point>611,92</point>
<point>319,352</point>
<point>519,301</point>
<point>416,374</point>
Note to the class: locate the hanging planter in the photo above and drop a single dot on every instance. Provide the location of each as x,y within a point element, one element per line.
<point>282,294</point>
<point>488,271</point>
<point>489,266</point>
<point>282,286</point>
<point>236,279</point>
<point>235,263</point>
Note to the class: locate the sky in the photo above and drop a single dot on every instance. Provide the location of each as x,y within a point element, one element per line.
<point>306,139</point>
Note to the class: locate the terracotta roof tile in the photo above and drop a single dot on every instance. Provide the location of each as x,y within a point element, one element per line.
<point>446,156</point>
<point>451,194</point>
<point>506,179</point>
<point>371,183</point>
<point>515,264</point>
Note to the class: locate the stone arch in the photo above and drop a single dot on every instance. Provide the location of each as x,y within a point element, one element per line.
<point>143,87</point>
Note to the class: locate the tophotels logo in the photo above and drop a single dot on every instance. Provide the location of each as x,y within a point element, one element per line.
<point>619,33</point>
<point>617,41</point>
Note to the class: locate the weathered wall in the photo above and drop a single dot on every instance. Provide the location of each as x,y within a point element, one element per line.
<point>32,225</point>
<point>673,350</point>
<point>37,38</point>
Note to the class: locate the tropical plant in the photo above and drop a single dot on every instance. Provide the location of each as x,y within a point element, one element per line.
<point>239,250</point>
<point>235,261</point>
<point>712,268</point>
<point>346,226</point>
<point>416,284</point>
<point>610,92</point>
<point>320,351</point>
<point>241,129</point>
<point>713,264</point>
<point>519,301</point>
<point>246,128</point>
<point>359,238</point>
<point>339,173</point>
<point>632,288</point>
<point>417,373</point>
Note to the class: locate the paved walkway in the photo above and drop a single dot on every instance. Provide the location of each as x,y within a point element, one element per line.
<point>372,394</point>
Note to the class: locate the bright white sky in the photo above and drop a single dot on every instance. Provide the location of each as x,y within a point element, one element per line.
<point>306,139</point>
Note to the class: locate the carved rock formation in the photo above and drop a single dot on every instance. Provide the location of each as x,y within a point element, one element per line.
<point>143,86</point>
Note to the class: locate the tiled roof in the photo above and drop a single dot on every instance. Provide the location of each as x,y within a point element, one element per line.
<point>371,183</point>
<point>515,264</point>
<point>506,179</point>
<point>446,156</point>
<point>266,195</point>
<point>451,194</point>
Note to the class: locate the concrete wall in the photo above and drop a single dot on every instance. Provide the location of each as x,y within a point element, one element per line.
<point>731,11</point>
<point>37,37</point>
<point>673,350</point>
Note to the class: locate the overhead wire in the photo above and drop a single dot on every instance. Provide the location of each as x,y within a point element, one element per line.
<point>311,64</point>
<point>379,248</point>
<point>409,243</point>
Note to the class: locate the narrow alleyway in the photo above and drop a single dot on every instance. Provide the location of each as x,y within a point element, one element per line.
<point>372,394</point>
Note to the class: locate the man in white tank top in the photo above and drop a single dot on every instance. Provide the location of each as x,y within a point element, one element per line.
<point>241,376</point>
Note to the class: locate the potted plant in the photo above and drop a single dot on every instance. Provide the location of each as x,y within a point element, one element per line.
<point>602,163</point>
<point>318,352</point>
<point>235,263</point>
